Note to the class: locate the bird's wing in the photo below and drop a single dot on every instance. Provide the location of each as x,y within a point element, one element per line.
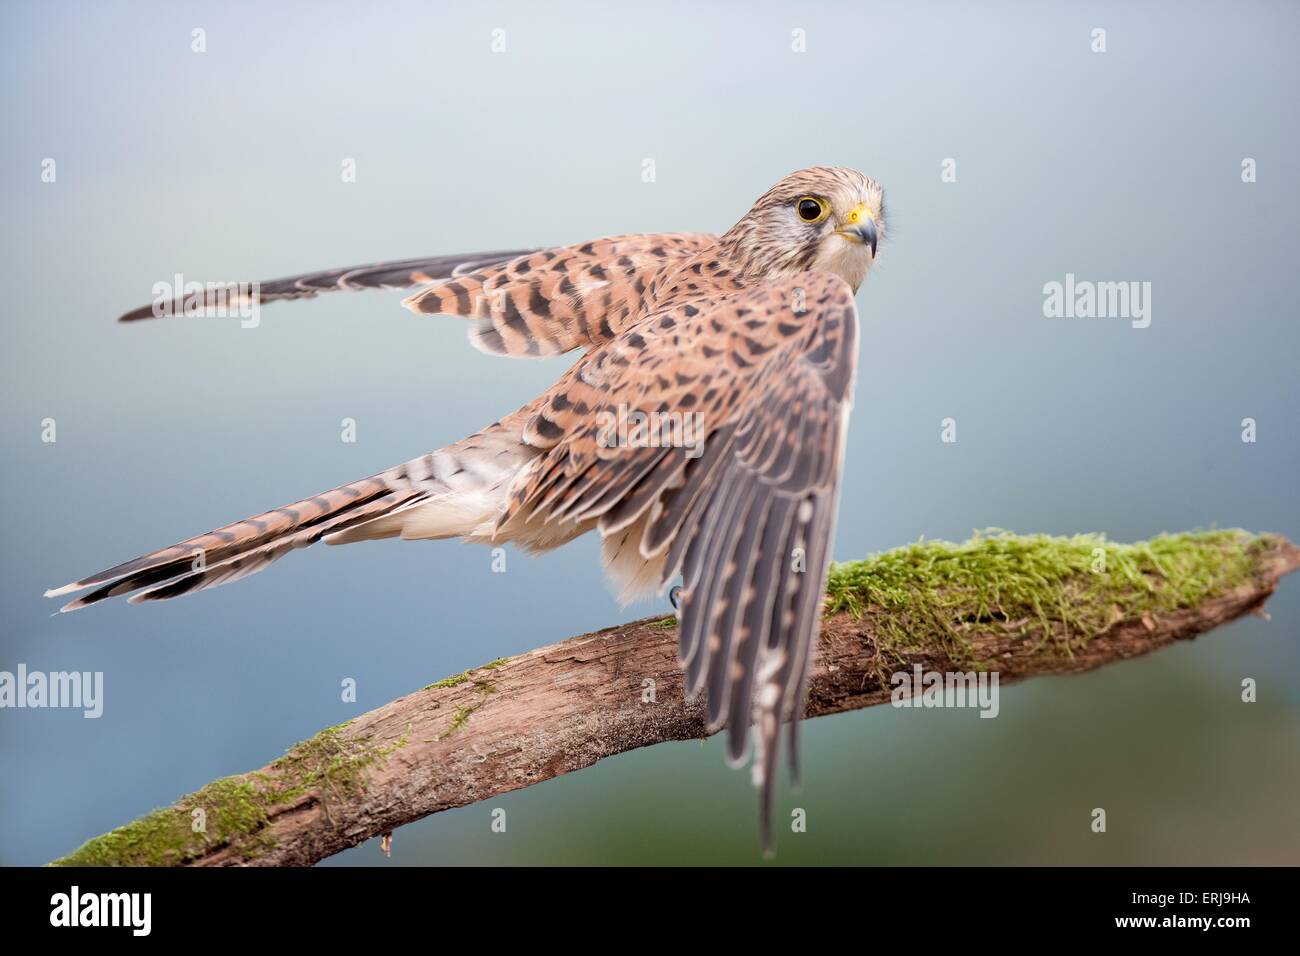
<point>524,303</point>
<point>398,274</point>
<point>555,300</point>
<point>747,516</point>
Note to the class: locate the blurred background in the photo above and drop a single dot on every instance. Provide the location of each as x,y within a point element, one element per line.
<point>226,165</point>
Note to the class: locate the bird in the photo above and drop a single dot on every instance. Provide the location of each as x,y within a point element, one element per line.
<point>747,341</point>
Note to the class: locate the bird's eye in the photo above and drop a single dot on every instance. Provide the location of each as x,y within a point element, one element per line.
<point>811,210</point>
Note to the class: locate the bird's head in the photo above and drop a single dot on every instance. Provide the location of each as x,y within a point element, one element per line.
<point>828,217</point>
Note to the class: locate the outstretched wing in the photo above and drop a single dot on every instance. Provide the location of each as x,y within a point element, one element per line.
<point>524,303</point>
<point>400,274</point>
<point>745,514</point>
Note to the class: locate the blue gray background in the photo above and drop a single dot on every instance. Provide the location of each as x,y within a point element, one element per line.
<point>226,165</point>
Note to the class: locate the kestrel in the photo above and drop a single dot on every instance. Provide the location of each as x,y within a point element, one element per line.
<point>701,434</point>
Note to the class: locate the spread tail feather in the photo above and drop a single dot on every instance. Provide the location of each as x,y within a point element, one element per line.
<point>457,491</point>
<point>243,548</point>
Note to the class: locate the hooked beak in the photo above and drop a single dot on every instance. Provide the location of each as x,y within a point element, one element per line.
<point>861,228</point>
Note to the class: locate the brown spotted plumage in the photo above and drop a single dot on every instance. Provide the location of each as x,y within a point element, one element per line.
<point>700,434</point>
<point>557,300</point>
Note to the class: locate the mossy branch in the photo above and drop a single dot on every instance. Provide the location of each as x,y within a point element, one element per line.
<point>1020,605</point>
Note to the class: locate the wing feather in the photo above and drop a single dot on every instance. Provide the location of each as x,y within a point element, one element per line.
<point>524,302</point>
<point>398,274</point>
<point>748,522</point>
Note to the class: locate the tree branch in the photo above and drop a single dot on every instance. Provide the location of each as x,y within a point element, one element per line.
<point>1019,606</point>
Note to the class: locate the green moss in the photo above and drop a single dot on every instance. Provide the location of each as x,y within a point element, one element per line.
<point>457,721</point>
<point>1062,591</point>
<point>236,810</point>
<point>462,713</point>
<point>330,762</point>
<point>457,679</point>
<point>448,681</point>
<point>161,838</point>
<point>666,623</point>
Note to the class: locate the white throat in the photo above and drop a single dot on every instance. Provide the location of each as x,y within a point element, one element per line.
<point>847,259</point>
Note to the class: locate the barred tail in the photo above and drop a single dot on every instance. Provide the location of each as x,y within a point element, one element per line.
<point>245,547</point>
